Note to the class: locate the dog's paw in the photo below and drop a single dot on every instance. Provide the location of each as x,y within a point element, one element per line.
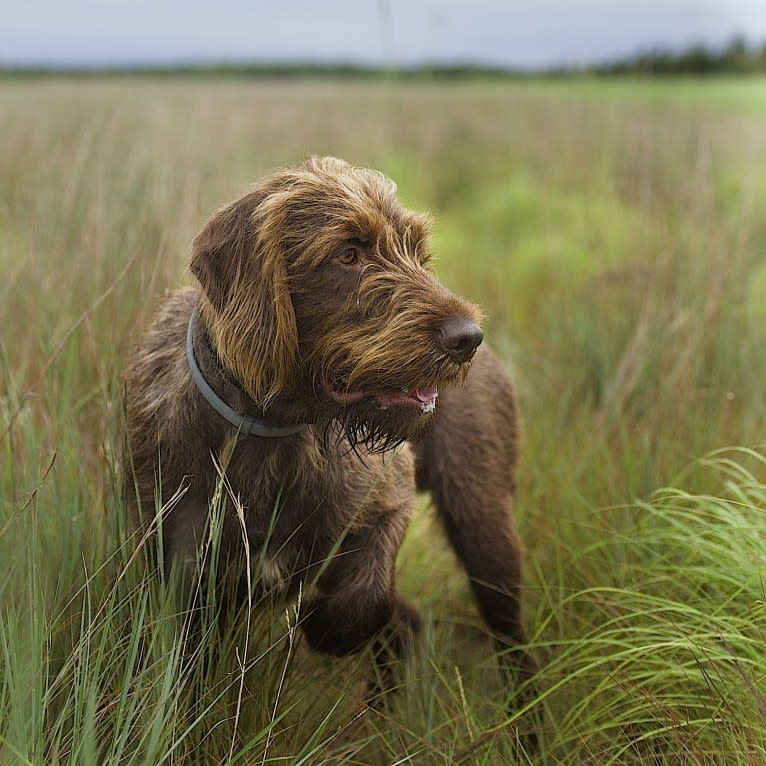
<point>339,632</point>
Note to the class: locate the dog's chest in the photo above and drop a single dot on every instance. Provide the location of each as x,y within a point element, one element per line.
<point>274,571</point>
<point>296,512</point>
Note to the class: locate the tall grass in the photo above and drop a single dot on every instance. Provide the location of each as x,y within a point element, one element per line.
<point>616,242</point>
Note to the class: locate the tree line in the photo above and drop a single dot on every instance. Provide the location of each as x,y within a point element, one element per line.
<point>738,57</point>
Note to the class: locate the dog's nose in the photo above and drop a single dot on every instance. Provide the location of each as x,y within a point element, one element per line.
<point>460,337</point>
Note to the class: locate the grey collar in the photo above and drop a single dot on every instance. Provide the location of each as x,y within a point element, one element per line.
<point>245,424</point>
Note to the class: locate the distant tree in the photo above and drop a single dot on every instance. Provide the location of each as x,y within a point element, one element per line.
<point>736,58</point>
<point>697,60</point>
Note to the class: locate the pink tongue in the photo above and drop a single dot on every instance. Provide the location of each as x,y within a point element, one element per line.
<point>427,394</point>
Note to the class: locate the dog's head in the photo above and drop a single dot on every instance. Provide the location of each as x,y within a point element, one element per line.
<point>317,287</point>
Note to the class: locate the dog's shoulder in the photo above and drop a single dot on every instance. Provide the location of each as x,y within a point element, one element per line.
<point>157,378</point>
<point>166,331</point>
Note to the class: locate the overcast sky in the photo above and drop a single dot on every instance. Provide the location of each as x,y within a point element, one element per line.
<point>520,33</point>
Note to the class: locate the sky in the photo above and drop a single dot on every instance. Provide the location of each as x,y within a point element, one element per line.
<point>515,33</point>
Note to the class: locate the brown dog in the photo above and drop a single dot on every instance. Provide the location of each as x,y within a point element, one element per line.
<point>319,342</point>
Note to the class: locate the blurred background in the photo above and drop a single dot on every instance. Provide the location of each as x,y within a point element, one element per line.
<point>511,35</point>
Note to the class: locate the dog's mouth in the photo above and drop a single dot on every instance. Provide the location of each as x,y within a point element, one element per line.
<point>379,413</point>
<point>419,399</point>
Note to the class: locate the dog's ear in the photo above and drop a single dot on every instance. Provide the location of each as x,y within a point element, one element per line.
<point>239,260</point>
<point>219,250</point>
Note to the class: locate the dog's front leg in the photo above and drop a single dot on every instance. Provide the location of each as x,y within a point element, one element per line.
<point>357,600</point>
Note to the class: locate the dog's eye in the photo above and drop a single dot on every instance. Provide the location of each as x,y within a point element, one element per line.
<point>349,256</point>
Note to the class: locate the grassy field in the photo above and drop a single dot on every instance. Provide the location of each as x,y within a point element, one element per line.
<point>613,232</point>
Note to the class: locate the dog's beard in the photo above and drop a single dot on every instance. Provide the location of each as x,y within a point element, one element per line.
<point>366,426</point>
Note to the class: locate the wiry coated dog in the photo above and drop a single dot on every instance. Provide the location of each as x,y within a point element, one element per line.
<point>317,349</point>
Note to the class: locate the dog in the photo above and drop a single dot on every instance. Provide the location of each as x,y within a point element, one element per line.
<point>325,372</point>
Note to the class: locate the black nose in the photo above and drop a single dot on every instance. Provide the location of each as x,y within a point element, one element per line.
<point>460,337</point>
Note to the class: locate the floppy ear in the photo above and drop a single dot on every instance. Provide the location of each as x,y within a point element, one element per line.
<point>239,260</point>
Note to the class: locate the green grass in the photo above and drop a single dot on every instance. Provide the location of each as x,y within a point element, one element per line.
<point>613,233</point>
